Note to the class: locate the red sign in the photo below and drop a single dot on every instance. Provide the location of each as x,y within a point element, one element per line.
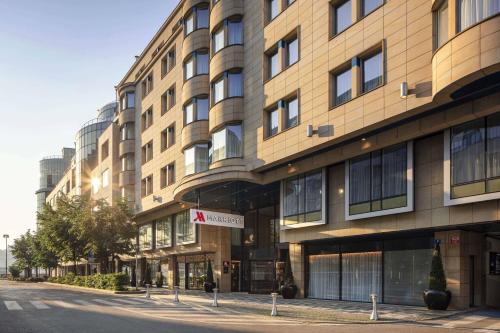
<point>199,217</point>
<point>455,239</point>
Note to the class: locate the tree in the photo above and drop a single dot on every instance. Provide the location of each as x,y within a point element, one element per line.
<point>44,257</point>
<point>437,279</point>
<point>23,250</point>
<point>112,231</point>
<point>210,274</point>
<point>14,271</point>
<point>67,228</point>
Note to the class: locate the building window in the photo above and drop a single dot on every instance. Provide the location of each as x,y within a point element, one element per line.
<point>196,64</point>
<point>342,16</point>
<point>196,109</point>
<point>475,157</point>
<point>226,143</point>
<point>146,237</point>
<point>147,119</point>
<point>292,51</point>
<point>185,231</point>
<point>127,131</point>
<point>168,62</point>
<point>127,100</point>
<point>441,18</point>
<point>379,182</point>
<point>273,122</point>
<point>147,186</point>
<point>147,85</point>
<point>104,150</point>
<point>147,152</point>
<point>232,88</point>
<point>230,32</point>
<point>168,137</point>
<point>291,112</point>
<point>168,100</point>
<point>128,162</point>
<point>164,232</point>
<point>196,19</point>
<point>342,87</point>
<point>105,178</point>
<point>196,158</point>
<point>167,175</point>
<point>474,11</point>
<point>372,71</point>
<point>370,5</point>
<point>273,64</point>
<point>303,198</point>
<point>273,9</point>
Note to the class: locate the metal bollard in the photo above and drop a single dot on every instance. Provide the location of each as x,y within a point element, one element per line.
<point>374,315</point>
<point>274,311</point>
<point>214,302</point>
<point>176,294</point>
<point>147,291</point>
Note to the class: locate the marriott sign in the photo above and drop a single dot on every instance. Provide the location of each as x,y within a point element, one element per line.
<point>215,218</point>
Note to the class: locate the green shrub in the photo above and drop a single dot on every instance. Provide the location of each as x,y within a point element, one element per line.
<point>14,271</point>
<point>69,278</point>
<point>437,279</point>
<point>116,281</point>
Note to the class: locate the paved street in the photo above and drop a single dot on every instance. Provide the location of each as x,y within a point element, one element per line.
<point>39,308</point>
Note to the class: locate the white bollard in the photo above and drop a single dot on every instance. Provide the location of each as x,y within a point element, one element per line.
<point>214,302</point>
<point>374,315</point>
<point>176,294</point>
<point>147,291</point>
<point>274,311</point>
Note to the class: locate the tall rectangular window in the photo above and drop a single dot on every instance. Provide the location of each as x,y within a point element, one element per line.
<point>146,237</point>
<point>168,137</point>
<point>303,198</point>
<point>218,39</point>
<point>218,90</point>
<point>273,9</point>
<point>189,69</point>
<point>372,71</point>
<point>196,158</point>
<point>442,24</point>
<point>105,178</point>
<point>235,31</point>
<point>273,63</point>
<point>147,186</point>
<point>128,162</point>
<point>235,84</point>
<point>343,16</point>
<point>475,157</point>
<point>164,232</point>
<point>378,180</point>
<point>147,152</point>
<point>273,122</point>
<point>168,62</point>
<point>189,24</point>
<point>292,51</point>
<point>343,85</point>
<point>185,231</point>
<point>167,175</point>
<point>201,62</point>
<point>147,119</point>
<point>370,5</point>
<point>292,112</point>
<point>474,11</point>
<point>226,143</point>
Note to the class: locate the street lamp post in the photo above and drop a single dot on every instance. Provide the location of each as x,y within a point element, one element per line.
<point>6,268</point>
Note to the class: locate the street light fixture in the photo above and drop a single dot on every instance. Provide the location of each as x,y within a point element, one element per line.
<point>6,236</point>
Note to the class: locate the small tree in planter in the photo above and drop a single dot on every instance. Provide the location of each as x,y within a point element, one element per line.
<point>288,289</point>
<point>159,279</point>
<point>437,297</point>
<point>147,276</point>
<point>209,284</point>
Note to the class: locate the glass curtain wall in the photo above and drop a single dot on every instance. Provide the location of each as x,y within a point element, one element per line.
<point>361,275</point>
<point>324,273</point>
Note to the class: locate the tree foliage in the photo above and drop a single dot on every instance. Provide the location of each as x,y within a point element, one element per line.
<point>437,279</point>
<point>23,250</point>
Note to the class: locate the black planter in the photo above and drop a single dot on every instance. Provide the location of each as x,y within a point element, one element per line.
<point>289,292</point>
<point>437,300</point>
<point>209,287</point>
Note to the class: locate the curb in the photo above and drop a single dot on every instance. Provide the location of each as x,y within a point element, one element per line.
<point>86,289</point>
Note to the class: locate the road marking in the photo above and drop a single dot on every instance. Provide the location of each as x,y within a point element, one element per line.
<point>12,305</point>
<point>39,305</point>
<point>127,301</point>
<point>63,304</point>
<point>82,302</point>
<point>102,301</point>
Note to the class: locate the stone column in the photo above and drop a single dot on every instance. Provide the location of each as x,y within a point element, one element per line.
<point>223,253</point>
<point>297,263</point>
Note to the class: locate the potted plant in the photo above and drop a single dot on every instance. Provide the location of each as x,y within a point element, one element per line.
<point>209,283</point>
<point>147,276</point>
<point>437,297</point>
<point>159,279</point>
<point>288,289</point>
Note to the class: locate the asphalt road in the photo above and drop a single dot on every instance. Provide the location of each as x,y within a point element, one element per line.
<point>39,308</point>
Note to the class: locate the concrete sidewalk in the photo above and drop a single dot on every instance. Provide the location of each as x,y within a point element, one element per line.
<point>308,309</point>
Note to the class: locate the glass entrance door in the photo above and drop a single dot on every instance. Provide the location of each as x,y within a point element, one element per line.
<point>235,276</point>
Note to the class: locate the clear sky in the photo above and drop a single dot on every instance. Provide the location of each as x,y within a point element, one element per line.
<point>59,62</point>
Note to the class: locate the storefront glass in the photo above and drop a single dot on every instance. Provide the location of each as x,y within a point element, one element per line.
<point>361,275</point>
<point>324,276</point>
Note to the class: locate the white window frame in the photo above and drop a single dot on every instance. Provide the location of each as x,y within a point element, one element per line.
<point>409,191</point>
<point>448,201</point>
<point>324,217</point>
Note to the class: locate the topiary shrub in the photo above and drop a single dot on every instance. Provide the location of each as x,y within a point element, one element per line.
<point>289,289</point>
<point>209,283</point>
<point>147,275</point>
<point>159,279</point>
<point>437,279</point>
<point>133,279</point>
<point>14,271</point>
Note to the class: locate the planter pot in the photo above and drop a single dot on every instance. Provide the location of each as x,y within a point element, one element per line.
<point>209,287</point>
<point>289,292</point>
<point>437,300</point>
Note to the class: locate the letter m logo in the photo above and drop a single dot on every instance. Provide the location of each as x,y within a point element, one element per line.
<point>199,217</point>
